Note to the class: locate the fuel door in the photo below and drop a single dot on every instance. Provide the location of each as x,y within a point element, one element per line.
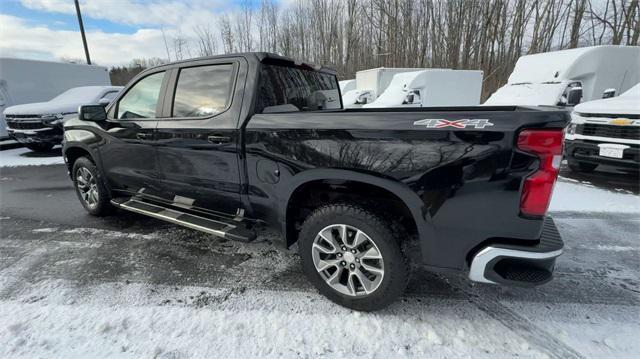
<point>268,171</point>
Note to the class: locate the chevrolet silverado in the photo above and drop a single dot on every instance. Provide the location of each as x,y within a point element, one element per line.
<point>232,144</point>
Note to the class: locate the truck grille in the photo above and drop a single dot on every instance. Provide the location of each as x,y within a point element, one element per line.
<point>613,131</point>
<point>27,122</point>
<point>609,115</point>
<point>19,125</point>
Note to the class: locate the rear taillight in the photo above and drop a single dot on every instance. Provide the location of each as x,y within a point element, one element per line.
<point>538,187</point>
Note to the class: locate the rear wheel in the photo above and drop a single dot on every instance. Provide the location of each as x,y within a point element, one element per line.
<point>576,166</point>
<point>39,147</point>
<point>90,188</point>
<point>353,256</point>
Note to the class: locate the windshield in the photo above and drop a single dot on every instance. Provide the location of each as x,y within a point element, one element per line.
<point>84,94</point>
<point>632,92</point>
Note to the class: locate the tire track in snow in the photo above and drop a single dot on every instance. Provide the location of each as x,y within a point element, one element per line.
<point>520,325</point>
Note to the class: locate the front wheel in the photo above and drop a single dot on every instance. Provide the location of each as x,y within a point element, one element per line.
<point>353,256</point>
<point>89,187</point>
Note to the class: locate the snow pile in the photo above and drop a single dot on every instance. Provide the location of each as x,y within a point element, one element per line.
<point>526,95</point>
<point>25,157</point>
<point>582,197</point>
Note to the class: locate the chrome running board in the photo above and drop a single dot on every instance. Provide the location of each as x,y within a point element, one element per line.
<point>221,227</point>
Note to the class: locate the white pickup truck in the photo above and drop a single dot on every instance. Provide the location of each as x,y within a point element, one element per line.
<point>38,126</point>
<point>607,132</point>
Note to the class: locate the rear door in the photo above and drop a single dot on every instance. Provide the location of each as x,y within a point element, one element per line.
<point>128,154</point>
<point>198,140</point>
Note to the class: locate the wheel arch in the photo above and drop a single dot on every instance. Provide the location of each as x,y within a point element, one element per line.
<point>75,151</point>
<point>350,183</point>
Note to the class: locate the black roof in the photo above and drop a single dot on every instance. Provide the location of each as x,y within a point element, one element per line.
<point>262,57</point>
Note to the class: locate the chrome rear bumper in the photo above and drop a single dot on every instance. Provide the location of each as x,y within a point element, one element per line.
<point>518,265</point>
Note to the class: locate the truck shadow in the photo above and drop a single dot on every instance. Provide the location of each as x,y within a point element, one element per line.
<point>606,177</point>
<point>54,152</point>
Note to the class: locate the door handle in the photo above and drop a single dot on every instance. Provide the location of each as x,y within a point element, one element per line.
<point>143,136</point>
<point>218,139</point>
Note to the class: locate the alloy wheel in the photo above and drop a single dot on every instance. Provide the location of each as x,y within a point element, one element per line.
<point>87,187</point>
<point>348,260</point>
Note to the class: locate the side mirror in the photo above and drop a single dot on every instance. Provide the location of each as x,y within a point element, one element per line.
<point>364,97</point>
<point>574,96</point>
<point>412,98</point>
<point>104,102</point>
<point>93,113</point>
<point>608,93</point>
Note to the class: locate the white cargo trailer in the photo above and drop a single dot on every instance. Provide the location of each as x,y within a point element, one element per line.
<point>368,85</point>
<point>347,85</point>
<point>568,77</point>
<point>430,88</point>
<point>26,81</point>
<point>377,80</point>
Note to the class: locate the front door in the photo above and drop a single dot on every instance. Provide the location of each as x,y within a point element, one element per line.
<point>197,142</point>
<point>129,156</point>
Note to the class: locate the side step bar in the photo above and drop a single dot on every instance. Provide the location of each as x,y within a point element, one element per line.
<point>225,228</point>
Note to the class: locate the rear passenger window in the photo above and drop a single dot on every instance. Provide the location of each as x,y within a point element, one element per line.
<point>202,91</point>
<point>307,90</point>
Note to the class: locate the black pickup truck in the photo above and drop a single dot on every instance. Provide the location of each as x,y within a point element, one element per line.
<point>231,144</point>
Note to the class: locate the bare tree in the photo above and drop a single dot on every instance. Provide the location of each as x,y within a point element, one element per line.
<point>181,48</point>
<point>207,43</point>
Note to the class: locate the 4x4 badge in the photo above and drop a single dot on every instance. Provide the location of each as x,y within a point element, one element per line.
<point>441,123</point>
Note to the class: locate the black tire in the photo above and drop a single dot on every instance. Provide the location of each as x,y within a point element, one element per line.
<point>381,232</point>
<point>584,167</point>
<point>102,205</point>
<point>39,147</point>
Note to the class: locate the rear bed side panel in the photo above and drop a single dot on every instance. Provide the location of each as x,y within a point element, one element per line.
<point>465,181</point>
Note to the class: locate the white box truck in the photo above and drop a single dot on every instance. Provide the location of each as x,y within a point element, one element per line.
<point>347,85</point>
<point>26,81</point>
<point>369,84</point>
<point>431,88</point>
<point>568,77</point>
<point>377,80</point>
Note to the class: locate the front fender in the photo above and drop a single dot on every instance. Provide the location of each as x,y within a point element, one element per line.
<point>81,137</point>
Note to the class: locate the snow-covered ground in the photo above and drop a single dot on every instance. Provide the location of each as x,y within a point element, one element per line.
<point>25,157</point>
<point>113,321</point>
<point>78,292</point>
<point>570,195</point>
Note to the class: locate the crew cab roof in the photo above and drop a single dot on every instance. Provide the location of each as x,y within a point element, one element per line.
<point>260,57</point>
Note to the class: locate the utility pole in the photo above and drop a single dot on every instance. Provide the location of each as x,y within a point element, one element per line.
<point>84,38</point>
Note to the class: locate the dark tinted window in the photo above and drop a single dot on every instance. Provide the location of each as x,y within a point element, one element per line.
<point>202,91</point>
<point>140,100</point>
<point>307,90</point>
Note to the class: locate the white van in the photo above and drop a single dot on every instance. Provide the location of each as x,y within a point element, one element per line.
<point>568,77</point>
<point>27,81</point>
<point>430,88</point>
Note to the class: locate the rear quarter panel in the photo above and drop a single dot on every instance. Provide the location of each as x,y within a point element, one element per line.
<point>462,184</point>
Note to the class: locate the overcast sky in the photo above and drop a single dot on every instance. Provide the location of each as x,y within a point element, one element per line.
<point>117,30</point>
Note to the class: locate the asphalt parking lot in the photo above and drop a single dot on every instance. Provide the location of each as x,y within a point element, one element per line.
<point>57,262</point>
